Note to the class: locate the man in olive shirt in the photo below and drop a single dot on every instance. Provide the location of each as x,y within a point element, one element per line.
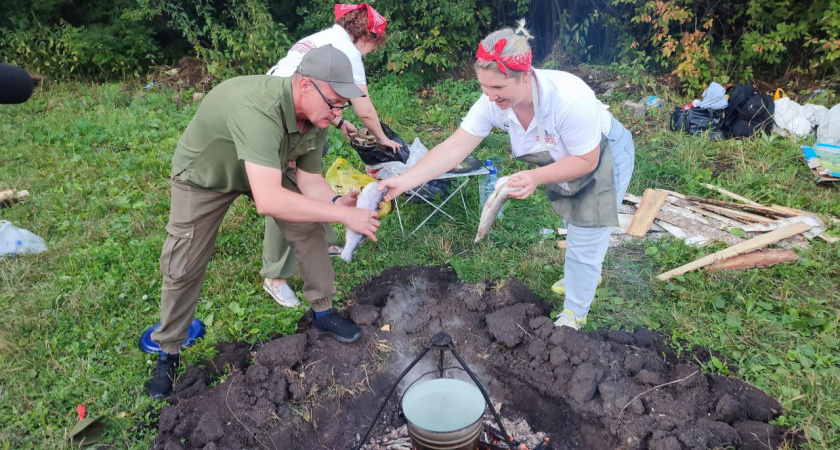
<point>242,140</point>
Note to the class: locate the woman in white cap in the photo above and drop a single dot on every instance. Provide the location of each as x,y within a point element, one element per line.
<point>583,156</point>
<point>358,30</point>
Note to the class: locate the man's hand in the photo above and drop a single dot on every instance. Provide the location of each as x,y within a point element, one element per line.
<point>348,199</point>
<point>348,128</point>
<point>390,143</point>
<point>362,221</point>
<point>524,180</point>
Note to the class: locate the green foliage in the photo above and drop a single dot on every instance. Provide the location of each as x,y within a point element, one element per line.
<point>425,37</point>
<point>700,42</point>
<point>115,47</point>
<point>242,38</point>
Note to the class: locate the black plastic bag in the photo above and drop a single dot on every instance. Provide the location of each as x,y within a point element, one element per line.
<point>374,153</point>
<point>695,120</point>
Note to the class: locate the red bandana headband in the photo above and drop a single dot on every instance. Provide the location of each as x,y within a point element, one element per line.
<point>518,63</point>
<point>376,23</point>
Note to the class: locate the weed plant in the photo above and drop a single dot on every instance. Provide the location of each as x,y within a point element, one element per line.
<point>95,159</point>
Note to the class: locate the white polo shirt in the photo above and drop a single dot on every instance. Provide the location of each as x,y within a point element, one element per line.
<point>573,119</point>
<point>338,37</point>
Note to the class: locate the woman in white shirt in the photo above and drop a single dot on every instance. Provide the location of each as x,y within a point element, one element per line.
<point>358,30</point>
<point>583,156</point>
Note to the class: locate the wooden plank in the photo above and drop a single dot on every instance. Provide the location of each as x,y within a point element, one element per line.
<point>652,201</point>
<point>791,211</point>
<point>737,215</point>
<point>829,239</point>
<point>737,249</point>
<point>632,198</point>
<point>694,227</point>
<point>694,208</point>
<point>695,216</point>
<point>762,210</point>
<point>731,195</point>
<point>758,258</point>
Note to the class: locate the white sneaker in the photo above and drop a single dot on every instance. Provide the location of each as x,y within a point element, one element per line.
<point>282,294</point>
<point>568,319</point>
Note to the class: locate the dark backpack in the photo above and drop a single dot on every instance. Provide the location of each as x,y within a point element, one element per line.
<point>748,112</point>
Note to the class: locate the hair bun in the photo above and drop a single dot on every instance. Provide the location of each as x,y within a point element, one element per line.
<point>521,30</point>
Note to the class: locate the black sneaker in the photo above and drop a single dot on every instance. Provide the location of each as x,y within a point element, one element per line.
<point>161,384</point>
<point>340,328</point>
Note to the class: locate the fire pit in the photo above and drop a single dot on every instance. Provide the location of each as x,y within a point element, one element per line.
<point>601,390</point>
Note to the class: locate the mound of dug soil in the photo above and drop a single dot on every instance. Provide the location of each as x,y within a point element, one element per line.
<point>602,390</point>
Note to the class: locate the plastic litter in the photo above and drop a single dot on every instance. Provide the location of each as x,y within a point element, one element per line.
<point>14,240</point>
<point>829,130</point>
<point>488,182</point>
<point>195,332</point>
<point>654,102</point>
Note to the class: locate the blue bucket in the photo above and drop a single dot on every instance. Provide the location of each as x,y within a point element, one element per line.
<point>195,333</point>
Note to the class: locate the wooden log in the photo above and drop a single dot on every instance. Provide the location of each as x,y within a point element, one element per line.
<point>758,258</point>
<point>737,249</point>
<point>652,201</point>
<point>731,195</point>
<point>762,210</point>
<point>9,196</point>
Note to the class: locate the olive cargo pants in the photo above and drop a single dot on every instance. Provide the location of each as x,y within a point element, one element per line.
<point>194,219</point>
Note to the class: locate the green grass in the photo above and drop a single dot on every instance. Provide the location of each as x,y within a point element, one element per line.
<point>95,159</point>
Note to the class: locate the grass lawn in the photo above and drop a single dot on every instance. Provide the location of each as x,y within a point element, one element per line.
<point>96,158</point>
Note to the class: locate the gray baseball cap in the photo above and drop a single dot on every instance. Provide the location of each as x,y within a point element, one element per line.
<point>330,64</point>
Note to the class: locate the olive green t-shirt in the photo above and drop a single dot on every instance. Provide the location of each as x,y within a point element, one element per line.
<point>250,118</point>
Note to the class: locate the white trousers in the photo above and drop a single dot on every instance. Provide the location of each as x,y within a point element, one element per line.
<point>586,247</point>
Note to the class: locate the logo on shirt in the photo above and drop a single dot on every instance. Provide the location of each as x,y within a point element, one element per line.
<point>303,46</point>
<point>550,139</point>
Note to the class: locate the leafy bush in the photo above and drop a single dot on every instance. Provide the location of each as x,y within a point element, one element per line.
<point>737,41</point>
<point>118,47</point>
<point>424,38</point>
<point>239,38</point>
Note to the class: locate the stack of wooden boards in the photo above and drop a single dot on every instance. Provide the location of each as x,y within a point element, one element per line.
<point>745,225</point>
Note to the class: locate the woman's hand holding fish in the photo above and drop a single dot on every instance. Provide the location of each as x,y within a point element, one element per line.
<point>395,185</point>
<point>525,182</point>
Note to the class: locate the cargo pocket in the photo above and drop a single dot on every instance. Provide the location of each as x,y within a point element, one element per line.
<point>176,250</point>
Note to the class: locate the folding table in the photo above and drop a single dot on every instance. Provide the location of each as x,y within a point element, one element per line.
<point>461,179</point>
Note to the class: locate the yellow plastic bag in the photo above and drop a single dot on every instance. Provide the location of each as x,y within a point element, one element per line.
<point>343,178</point>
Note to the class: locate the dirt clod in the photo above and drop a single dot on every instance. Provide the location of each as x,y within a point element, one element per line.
<point>584,390</point>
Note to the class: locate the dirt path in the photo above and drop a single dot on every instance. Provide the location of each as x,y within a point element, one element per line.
<point>602,390</point>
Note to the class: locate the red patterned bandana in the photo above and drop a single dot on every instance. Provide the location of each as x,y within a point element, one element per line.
<point>376,23</point>
<point>518,63</point>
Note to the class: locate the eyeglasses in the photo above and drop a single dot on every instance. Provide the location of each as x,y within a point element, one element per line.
<point>339,108</point>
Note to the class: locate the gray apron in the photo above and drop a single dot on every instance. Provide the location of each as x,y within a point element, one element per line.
<point>588,201</point>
